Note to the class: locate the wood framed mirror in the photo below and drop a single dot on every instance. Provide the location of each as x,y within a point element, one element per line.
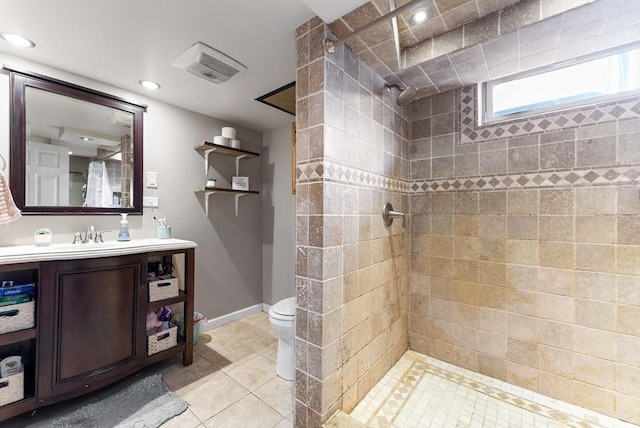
<point>74,150</point>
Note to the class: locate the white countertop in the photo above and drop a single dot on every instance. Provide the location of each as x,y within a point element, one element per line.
<point>31,253</point>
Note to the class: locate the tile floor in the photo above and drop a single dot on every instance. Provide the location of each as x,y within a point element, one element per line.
<point>231,383</point>
<point>420,391</point>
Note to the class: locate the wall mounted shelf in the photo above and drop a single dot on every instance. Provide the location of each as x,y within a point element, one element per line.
<point>207,148</point>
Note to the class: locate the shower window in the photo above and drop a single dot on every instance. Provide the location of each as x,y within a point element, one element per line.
<point>584,81</point>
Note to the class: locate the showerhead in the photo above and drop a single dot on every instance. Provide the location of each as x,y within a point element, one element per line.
<point>406,95</point>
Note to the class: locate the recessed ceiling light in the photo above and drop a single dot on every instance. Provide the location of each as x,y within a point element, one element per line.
<point>86,139</point>
<point>17,40</point>
<point>149,84</point>
<point>419,16</point>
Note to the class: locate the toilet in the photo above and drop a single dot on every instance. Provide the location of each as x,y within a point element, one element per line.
<point>282,316</point>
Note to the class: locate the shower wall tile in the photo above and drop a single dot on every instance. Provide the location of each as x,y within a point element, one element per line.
<point>352,272</point>
<point>533,257</point>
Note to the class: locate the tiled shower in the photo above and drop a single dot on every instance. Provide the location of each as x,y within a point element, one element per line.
<point>520,259</point>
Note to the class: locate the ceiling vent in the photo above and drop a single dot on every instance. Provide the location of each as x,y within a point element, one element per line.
<point>208,63</point>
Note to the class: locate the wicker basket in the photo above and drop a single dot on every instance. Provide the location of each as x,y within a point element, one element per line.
<point>163,340</point>
<point>163,289</point>
<point>17,317</point>
<point>11,389</point>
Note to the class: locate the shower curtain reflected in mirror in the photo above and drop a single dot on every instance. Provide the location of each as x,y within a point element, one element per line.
<point>98,192</point>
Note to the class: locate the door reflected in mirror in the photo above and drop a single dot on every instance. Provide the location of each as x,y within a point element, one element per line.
<point>78,153</point>
<point>73,150</point>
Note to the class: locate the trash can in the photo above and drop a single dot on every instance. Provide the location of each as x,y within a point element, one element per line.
<point>198,320</point>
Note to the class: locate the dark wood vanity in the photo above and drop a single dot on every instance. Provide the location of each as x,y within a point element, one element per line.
<point>90,319</point>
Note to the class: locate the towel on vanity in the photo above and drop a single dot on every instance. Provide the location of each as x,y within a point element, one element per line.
<point>8,210</point>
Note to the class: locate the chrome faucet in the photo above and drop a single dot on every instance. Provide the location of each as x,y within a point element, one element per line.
<point>90,236</point>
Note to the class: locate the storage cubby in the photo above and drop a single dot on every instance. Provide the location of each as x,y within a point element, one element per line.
<point>18,392</point>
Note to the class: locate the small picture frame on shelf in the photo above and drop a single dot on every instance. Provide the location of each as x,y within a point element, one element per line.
<point>240,183</point>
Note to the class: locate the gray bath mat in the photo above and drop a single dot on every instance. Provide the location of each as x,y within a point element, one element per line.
<point>147,403</point>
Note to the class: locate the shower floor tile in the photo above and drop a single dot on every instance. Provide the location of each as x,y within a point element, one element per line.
<point>420,391</point>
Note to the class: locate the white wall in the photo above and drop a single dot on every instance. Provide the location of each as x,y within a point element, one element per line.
<point>278,217</point>
<point>229,254</point>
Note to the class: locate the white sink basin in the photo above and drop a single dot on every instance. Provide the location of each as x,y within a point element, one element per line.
<point>27,253</point>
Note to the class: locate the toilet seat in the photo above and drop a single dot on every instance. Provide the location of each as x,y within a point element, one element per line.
<point>284,309</point>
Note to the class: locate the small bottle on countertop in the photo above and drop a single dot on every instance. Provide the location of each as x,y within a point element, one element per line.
<point>123,235</point>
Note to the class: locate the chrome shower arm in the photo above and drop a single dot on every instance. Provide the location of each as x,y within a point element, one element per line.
<point>388,214</point>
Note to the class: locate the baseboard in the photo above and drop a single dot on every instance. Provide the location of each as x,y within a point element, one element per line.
<point>233,316</point>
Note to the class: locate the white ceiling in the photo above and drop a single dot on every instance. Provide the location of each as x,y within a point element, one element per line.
<point>122,41</point>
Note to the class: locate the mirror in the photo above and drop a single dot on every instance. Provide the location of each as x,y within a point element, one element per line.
<point>73,150</point>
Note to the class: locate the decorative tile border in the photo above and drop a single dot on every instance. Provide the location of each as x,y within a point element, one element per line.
<point>319,171</point>
<point>555,121</point>
<point>564,178</point>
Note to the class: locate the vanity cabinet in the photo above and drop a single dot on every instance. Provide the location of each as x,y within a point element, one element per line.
<point>91,317</point>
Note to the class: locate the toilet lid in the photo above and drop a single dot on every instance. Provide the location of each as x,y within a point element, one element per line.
<point>286,307</point>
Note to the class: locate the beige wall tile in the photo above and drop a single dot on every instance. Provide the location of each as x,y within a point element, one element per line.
<point>492,320</point>
<point>557,387</point>
<point>465,270</point>
<point>465,314</point>
<point>627,257</point>
<point>596,229</point>
<point>522,227</point>
<point>595,314</point>
<point>595,343</point>
<point>522,327</point>
<point>492,249</point>
<point>465,292</point>
<point>490,296</point>
<point>628,350</point>
<point>523,376</point>
<point>492,226</point>
<point>492,344</point>
<point>442,246</point>
<point>522,251</point>
<point>522,277</point>
<point>492,273</point>
<point>465,248</point>
<point>492,366</point>
<point>596,286</point>
<point>556,201</point>
<point>465,225</point>
<point>595,257</point>
<point>596,200</point>
<point>627,379</point>
<point>628,320</point>
<point>555,307</point>
<point>522,352</point>
<point>628,408</point>
<point>493,203</point>
<point>522,302</point>
<point>523,202</point>
<point>556,281</point>
<point>628,289</point>
<point>595,371</point>
<point>594,398</point>
<point>556,361</point>
<point>556,254</point>
<point>556,228</point>
<point>628,228</point>
<point>556,334</point>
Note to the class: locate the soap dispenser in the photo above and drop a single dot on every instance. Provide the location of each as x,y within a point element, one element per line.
<point>123,235</point>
